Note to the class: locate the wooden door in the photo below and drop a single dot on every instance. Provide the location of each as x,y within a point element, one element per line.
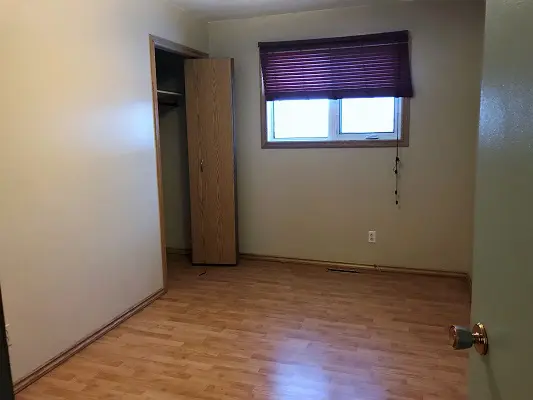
<point>6,384</point>
<point>209,108</point>
<point>502,293</point>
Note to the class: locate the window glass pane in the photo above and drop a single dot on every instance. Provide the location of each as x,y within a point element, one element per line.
<point>295,119</point>
<point>367,115</point>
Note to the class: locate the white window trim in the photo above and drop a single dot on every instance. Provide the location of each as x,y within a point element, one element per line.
<point>334,133</point>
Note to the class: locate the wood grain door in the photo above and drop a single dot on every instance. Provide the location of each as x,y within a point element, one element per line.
<point>209,107</point>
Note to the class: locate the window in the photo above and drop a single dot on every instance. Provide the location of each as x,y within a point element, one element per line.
<point>340,92</point>
<point>336,123</point>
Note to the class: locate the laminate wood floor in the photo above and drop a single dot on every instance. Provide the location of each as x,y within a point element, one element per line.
<point>277,331</point>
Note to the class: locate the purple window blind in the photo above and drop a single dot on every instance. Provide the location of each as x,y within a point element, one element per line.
<point>356,66</point>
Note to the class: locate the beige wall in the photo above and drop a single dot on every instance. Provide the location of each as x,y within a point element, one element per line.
<point>80,239</point>
<point>320,203</point>
<point>175,163</point>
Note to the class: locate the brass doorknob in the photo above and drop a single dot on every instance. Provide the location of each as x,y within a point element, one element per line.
<point>461,338</point>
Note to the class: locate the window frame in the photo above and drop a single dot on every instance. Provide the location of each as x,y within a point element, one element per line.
<point>354,141</point>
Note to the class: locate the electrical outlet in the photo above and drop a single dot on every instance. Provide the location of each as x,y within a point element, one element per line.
<point>8,338</point>
<point>371,236</point>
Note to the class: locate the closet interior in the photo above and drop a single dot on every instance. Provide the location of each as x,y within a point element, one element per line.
<point>173,151</point>
<point>197,156</point>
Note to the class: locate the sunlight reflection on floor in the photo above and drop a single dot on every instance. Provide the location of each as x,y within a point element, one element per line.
<point>311,382</point>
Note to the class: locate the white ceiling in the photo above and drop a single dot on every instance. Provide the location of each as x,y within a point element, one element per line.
<point>213,10</point>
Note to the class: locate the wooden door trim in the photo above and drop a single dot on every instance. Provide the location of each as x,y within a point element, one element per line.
<point>6,381</point>
<point>188,52</point>
<point>176,48</point>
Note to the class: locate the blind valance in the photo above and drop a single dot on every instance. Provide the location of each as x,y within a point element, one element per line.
<point>374,65</point>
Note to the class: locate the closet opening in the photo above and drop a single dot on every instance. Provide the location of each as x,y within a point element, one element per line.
<point>168,81</point>
<point>195,153</point>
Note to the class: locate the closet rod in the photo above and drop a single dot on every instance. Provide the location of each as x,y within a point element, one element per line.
<point>169,93</point>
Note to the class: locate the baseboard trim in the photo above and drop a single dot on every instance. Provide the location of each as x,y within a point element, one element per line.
<point>65,355</point>
<point>359,267</point>
<point>182,252</point>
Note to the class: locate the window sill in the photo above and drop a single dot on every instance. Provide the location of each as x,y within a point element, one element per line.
<point>333,144</point>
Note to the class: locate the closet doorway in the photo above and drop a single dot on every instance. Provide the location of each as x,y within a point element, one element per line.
<point>195,149</point>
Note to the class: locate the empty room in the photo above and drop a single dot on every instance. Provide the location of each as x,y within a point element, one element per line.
<point>274,200</point>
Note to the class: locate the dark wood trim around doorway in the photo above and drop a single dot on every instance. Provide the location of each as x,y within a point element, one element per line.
<point>168,45</point>
<point>6,381</point>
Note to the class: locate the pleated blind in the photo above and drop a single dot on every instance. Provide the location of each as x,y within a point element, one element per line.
<point>374,65</point>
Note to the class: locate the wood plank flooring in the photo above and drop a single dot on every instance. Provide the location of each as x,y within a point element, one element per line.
<point>277,331</point>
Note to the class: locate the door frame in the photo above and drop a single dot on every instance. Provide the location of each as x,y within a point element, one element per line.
<point>6,381</point>
<point>157,42</point>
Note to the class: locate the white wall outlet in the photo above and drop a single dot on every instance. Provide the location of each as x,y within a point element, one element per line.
<point>371,236</point>
<point>8,338</point>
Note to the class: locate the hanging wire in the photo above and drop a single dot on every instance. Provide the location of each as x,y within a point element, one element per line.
<point>397,167</point>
